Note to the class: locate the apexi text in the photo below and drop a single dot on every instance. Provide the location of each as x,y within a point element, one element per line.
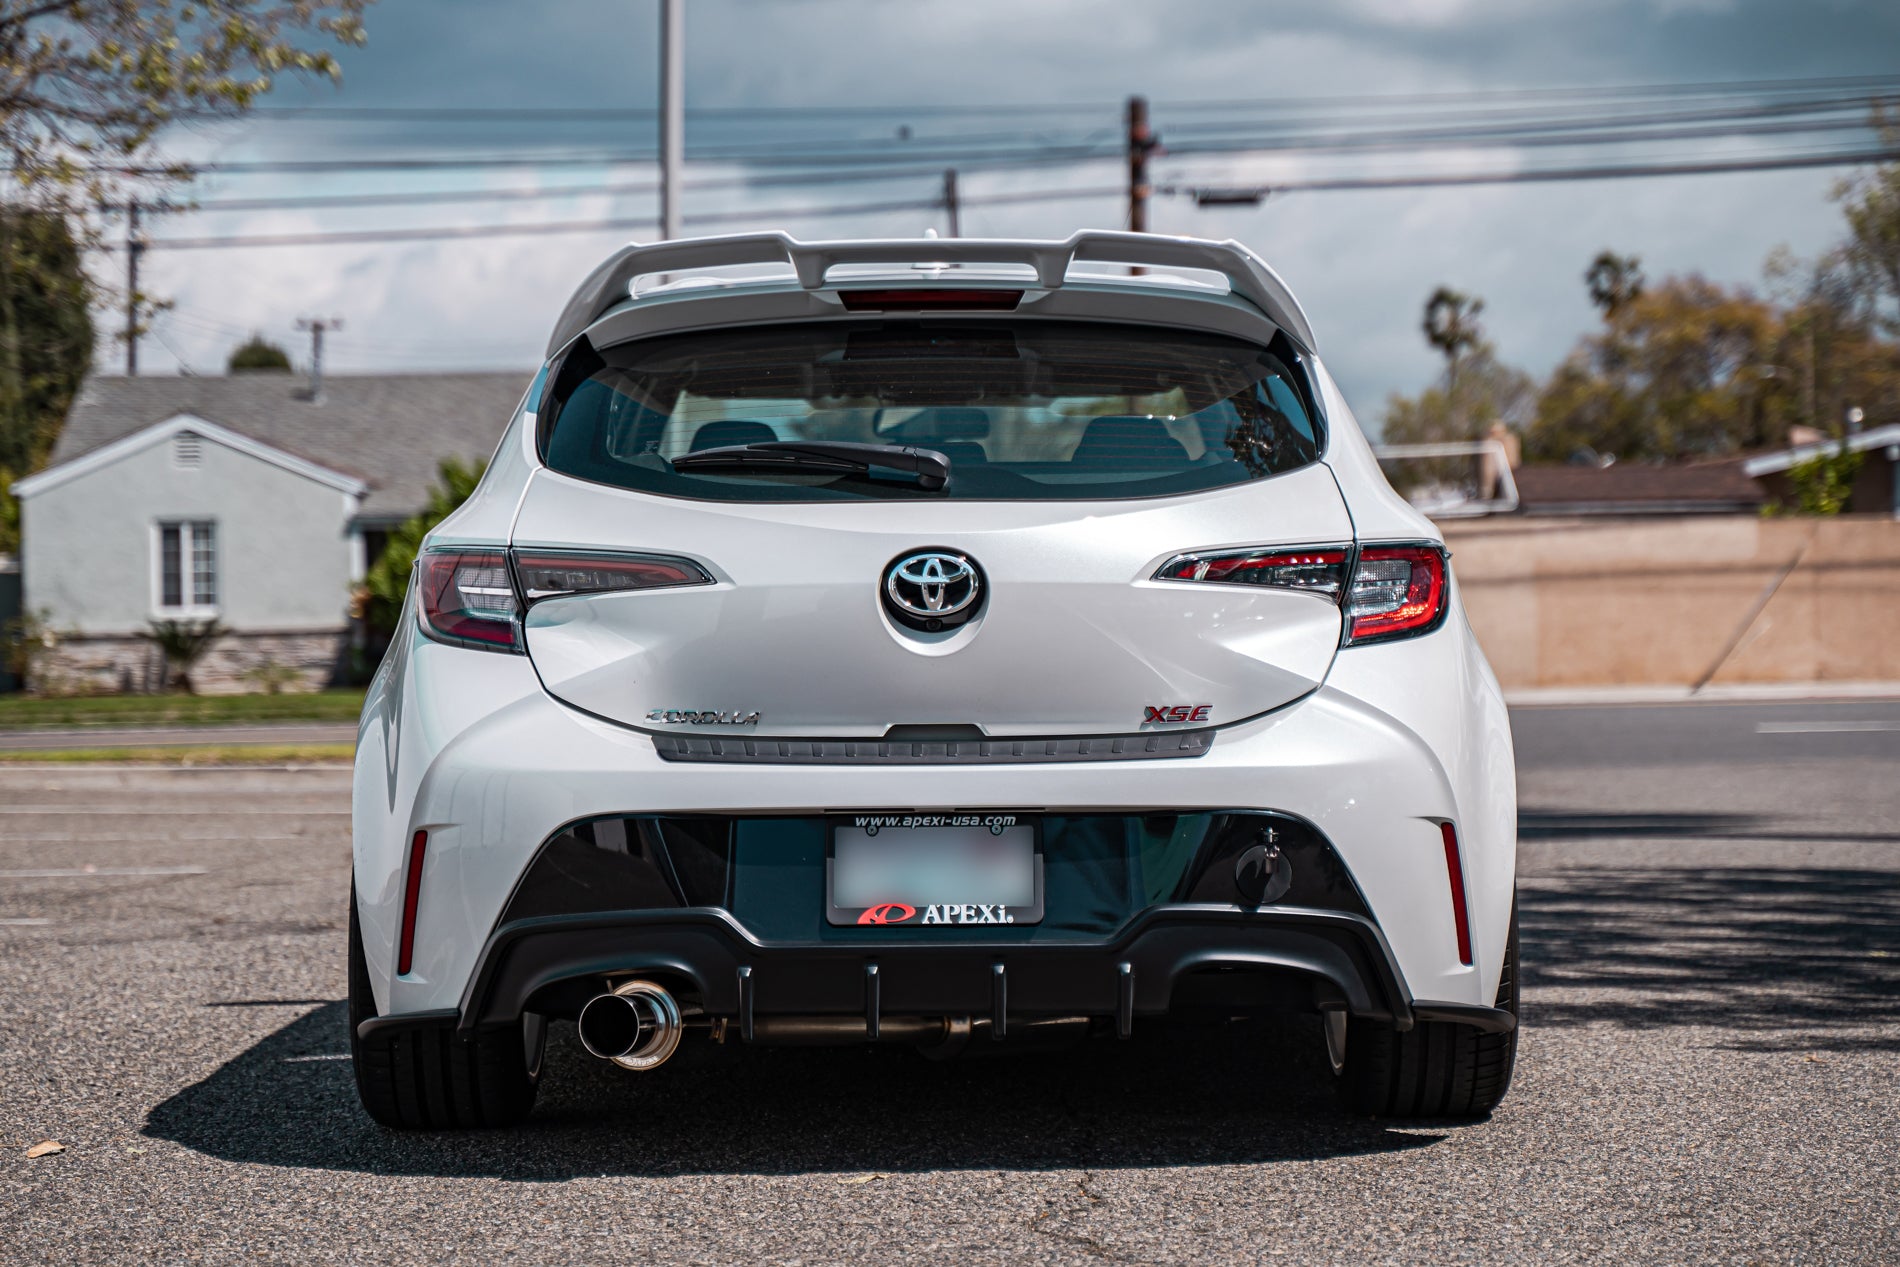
<point>702,717</point>
<point>968,913</point>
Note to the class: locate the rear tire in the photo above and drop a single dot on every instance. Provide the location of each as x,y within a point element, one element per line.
<point>432,1079</point>
<point>1436,1068</point>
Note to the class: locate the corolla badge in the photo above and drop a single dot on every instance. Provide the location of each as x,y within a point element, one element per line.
<point>933,589</point>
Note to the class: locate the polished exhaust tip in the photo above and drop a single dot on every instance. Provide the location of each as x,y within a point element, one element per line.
<point>636,1025</point>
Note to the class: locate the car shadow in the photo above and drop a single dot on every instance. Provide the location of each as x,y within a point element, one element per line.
<point>1793,959</point>
<point>1173,1097</point>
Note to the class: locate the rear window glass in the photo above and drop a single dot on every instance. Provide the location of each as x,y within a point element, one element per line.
<point>1023,410</point>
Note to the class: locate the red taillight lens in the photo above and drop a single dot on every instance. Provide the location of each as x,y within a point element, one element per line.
<point>1396,591</point>
<point>411,895</point>
<point>557,574</point>
<point>1314,571</point>
<point>467,597</point>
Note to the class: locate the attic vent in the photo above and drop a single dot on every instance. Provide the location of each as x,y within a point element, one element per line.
<point>187,450</point>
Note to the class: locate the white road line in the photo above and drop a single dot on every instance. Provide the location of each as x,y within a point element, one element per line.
<point>86,873</point>
<point>296,1060</point>
<point>1824,727</point>
<point>23,923</point>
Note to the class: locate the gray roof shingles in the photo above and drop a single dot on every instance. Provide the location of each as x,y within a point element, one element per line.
<point>388,430</point>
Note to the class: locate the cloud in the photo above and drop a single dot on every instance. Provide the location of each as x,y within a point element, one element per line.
<point>1361,262</point>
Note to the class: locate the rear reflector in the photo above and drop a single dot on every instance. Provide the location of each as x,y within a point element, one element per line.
<point>411,894</point>
<point>466,597</point>
<point>555,574</point>
<point>1397,591</point>
<point>1461,917</point>
<point>925,299</point>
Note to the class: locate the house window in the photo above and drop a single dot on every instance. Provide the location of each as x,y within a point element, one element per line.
<point>188,566</point>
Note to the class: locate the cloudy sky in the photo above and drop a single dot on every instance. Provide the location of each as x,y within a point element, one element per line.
<point>1362,262</point>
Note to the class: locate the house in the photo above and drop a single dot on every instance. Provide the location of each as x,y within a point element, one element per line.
<point>1876,488</point>
<point>238,498</point>
<point>1718,487</point>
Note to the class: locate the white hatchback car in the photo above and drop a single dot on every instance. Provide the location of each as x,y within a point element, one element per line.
<point>935,642</point>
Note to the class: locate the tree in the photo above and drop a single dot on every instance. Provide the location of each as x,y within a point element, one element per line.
<point>86,85</point>
<point>387,583</point>
<point>45,344</point>
<point>183,643</point>
<point>259,354</point>
<point>1870,202</point>
<point>1614,280</point>
<point>1451,326</point>
<point>1685,370</point>
<point>1485,392</point>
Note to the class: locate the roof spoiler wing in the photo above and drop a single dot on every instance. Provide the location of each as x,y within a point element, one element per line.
<point>1247,274</point>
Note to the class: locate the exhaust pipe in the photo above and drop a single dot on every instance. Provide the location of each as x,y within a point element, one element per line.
<point>637,1025</point>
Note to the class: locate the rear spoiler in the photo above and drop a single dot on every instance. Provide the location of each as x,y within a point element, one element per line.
<point>1247,274</point>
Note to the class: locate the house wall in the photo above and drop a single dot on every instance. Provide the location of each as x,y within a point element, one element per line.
<point>1680,600</point>
<point>88,554</point>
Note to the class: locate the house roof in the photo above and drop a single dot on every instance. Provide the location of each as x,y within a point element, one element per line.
<point>1633,488</point>
<point>388,430</point>
<point>1781,460</point>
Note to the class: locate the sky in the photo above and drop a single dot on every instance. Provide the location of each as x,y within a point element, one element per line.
<point>1362,263</point>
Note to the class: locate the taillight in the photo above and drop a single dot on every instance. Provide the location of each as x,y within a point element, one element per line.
<point>1394,591</point>
<point>1460,910</point>
<point>1397,591</point>
<point>558,574</point>
<point>467,597</point>
<point>1315,571</point>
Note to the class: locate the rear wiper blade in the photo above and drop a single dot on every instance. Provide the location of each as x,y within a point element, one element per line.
<point>931,468</point>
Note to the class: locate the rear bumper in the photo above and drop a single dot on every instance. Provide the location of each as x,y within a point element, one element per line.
<point>707,954</point>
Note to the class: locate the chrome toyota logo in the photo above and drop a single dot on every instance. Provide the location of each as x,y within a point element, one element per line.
<point>933,589</point>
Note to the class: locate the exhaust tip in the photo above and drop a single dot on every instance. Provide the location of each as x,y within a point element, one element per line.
<point>636,1025</point>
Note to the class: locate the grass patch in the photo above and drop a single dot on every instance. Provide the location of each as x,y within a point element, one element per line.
<point>26,712</point>
<point>200,754</point>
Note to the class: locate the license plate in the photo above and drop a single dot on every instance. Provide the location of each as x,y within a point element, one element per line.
<point>934,869</point>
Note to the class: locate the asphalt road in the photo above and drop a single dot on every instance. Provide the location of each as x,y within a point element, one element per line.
<point>1710,1060</point>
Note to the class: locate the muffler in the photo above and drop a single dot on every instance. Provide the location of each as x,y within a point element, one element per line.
<point>636,1025</point>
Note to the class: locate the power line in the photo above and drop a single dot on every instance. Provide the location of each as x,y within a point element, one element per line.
<point>1604,171</point>
<point>489,114</point>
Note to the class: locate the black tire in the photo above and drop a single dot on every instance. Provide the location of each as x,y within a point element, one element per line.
<point>1436,1068</point>
<point>432,1079</point>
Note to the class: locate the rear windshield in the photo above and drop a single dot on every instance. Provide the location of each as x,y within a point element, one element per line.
<point>1023,410</point>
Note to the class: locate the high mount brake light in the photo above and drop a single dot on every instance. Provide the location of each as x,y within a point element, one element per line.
<point>466,597</point>
<point>558,574</point>
<point>1394,591</point>
<point>1397,591</point>
<point>928,298</point>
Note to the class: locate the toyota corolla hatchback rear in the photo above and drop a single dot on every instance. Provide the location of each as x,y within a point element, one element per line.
<point>937,643</point>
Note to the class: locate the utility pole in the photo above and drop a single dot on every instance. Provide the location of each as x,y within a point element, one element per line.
<point>1141,143</point>
<point>134,247</point>
<point>316,326</point>
<point>951,204</point>
<point>672,112</point>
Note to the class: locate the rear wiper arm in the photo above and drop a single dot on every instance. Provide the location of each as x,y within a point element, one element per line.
<point>931,468</point>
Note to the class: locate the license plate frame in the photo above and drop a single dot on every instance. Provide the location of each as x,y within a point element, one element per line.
<point>916,831</point>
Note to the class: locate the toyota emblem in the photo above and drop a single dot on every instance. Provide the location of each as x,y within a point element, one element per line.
<point>933,589</point>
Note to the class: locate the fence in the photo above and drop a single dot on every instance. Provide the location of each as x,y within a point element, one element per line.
<point>1682,600</point>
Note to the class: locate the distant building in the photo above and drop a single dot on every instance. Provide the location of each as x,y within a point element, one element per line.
<point>1633,488</point>
<point>1876,487</point>
<point>237,498</point>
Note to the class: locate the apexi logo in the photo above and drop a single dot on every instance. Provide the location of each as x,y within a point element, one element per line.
<point>946,913</point>
<point>872,824</point>
<point>703,717</point>
<point>1174,713</point>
